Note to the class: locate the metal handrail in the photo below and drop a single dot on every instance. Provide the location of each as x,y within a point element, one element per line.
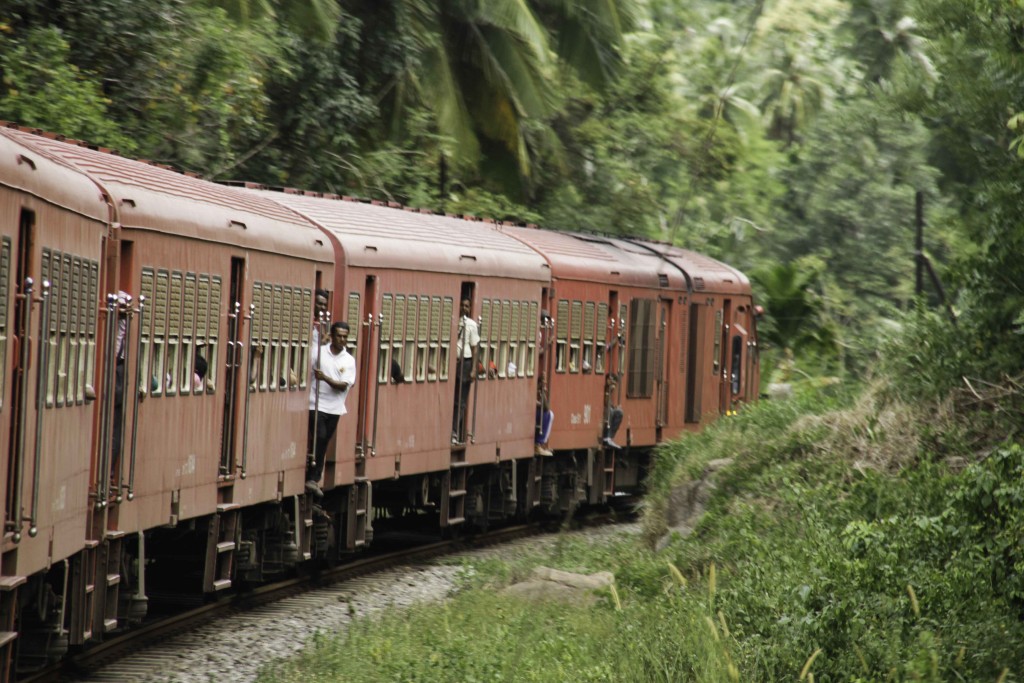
<point>476,384</point>
<point>43,357</point>
<point>121,428</point>
<point>248,394</point>
<point>376,394</point>
<point>139,379</point>
<point>103,475</point>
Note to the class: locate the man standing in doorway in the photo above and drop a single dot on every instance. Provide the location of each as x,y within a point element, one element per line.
<point>465,352</point>
<point>334,373</point>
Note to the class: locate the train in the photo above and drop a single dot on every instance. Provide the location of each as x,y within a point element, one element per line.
<point>157,343</point>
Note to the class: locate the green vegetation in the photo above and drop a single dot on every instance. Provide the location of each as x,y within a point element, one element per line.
<point>880,538</point>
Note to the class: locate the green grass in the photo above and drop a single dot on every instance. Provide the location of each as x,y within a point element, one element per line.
<point>840,545</point>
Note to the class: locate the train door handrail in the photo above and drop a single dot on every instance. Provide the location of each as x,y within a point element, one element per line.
<point>43,358</point>
<point>136,396</point>
<point>248,393</point>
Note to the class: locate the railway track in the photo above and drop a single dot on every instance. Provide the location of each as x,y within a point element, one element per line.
<point>113,655</point>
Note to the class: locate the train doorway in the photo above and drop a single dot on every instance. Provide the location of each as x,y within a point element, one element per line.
<point>233,367</point>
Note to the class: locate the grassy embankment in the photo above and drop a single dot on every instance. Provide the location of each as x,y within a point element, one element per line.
<point>854,538</point>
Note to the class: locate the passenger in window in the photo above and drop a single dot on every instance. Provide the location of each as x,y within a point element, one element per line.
<point>397,376</point>
<point>613,413</point>
<point>465,352</point>
<point>199,368</point>
<point>319,314</point>
<point>545,418</point>
<point>335,372</point>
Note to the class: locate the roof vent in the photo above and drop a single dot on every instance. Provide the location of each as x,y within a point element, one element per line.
<point>662,279</point>
<point>698,284</point>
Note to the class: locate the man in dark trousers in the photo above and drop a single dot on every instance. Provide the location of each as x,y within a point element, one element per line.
<point>334,372</point>
<point>465,353</point>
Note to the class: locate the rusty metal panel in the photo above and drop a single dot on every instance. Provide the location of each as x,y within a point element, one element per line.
<point>506,320</point>
<point>163,286</point>
<point>94,293</point>
<point>5,277</point>
<point>65,293</point>
<point>602,322</point>
<point>411,311</point>
<point>202,307</point>
<point>296,308</point>
<point>146,290</point>
<point>534,321</point>
<point>435,316</point>
<point>424,326</point>
<point>386,312</point>
<point>174,305</point>
<point>215,307</point>
<point>446,331</point>
<point>577,320</point>
<point>562,320</point>
<point>353,318</point>
<point>258,314</point>
<point>277,313</point>
<point>516,325</point>
<point>265,311</point>
<point>588,321</point>
<point>307,308</point>
<point>188,311</point>
<point>485,326</point>
<point>399,330</point>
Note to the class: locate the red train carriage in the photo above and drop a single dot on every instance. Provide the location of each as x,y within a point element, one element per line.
<point>404,276</point>
<point>53,223</point>
<point>718,351</point>
<point>188,438</point>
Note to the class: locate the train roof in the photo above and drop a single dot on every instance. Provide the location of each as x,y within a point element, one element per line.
<point>373,235</point>
<point>703,273</point>
<point>153,197</point>
<point>30,170</point>
<point>596,259</point>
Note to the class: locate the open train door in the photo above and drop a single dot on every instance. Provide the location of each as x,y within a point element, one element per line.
<point>661,367</point>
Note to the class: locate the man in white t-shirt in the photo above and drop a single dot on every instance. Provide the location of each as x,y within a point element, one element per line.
<point>465,368</point>
<point>334,374</point>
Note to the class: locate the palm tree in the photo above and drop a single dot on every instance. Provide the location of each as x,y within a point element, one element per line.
<point>793,92</point>
<point>312,18</point>
<point>882,31</point>
<point>487,69</point>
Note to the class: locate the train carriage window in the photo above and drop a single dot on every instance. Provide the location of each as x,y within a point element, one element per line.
<point>5,279</point>
<point>716,355</point>
<point>91,299</point>
<point>642,342</point>
<point>73,340</point>
<point>285,318</point>
<point>186,369</point>
<point>145,330</point>
<point>524,322</point>
<point>562,336</point>
<point>485,338</point>
<point>736,364</point>
<point>305,332</point>
<point>494,337</point>
<point>412,310</point>
<point>353,321</point>
<point>446,337</point>
<point>174,303</point>
<point>259,355</point>
<point>513,342</point>
<point>160,310</point>
<point>49,258</point>
<point>398,333</point>
<point>588,336</point>
<point>213,344</point>
<point>276,351</point>
<point>601,345</point>
<point>575,336</point>
<point>435,336</point>
<point>384,351</point>
<point>295,359</point>
<point>504,338</point>
<point>532,323</point>
<point>422,331</point>
<point>202,340</point>
<point>64,306</point>
<point>82,303</point>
